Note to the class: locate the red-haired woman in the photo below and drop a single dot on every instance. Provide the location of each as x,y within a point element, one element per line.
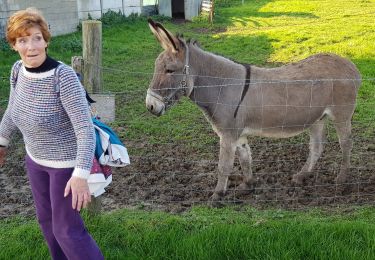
<point>58,133</point>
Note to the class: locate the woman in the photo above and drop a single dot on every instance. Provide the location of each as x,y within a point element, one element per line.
<point>58,133</point>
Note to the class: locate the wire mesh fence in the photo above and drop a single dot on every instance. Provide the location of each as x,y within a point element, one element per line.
<point>174,160</point>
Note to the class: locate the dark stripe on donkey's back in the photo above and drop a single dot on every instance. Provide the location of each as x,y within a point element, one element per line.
<point>245,88</point>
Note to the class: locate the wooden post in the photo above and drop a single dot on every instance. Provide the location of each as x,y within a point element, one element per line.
<point>101,8</point>
<point>92,55</point>
<point>104,103</point>
<point>95,206</point>
<point>77,65</point>
<point>208,6</point>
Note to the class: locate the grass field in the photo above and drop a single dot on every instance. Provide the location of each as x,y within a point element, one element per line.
<point>205,233</point>
<point>260,32</point>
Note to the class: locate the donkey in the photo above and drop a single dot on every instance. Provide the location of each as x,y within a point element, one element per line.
<point>240,100</point>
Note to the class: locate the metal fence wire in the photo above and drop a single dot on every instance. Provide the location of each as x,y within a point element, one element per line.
<point>174,163</point>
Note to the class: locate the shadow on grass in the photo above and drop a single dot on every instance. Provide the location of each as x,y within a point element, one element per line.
<point>228,14</point>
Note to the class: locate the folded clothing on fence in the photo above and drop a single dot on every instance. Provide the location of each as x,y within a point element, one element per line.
<point>100,177</point>
<point>109,148</point>
<point>97,183</point>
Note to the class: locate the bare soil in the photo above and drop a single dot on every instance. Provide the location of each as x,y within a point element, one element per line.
<point>174,177</point>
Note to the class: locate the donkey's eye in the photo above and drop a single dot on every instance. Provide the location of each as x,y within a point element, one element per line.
<point>169,71</point>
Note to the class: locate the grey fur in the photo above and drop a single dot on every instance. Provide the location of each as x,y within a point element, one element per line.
<point>280,102</point>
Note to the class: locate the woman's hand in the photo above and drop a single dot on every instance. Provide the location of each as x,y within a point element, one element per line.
<point>3,154</point>
<point>80,192</point>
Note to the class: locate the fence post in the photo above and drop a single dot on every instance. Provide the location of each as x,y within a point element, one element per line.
<point>92,55</point>
<point>208,6</point>
<point>101,8</point>
<point>94,208</point>
<point>77,65</point>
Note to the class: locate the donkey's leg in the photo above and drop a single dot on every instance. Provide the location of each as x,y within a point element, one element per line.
<point>344,130</point>
<point>226,160</point>
<point>317,137</point>
<point>244,152</point>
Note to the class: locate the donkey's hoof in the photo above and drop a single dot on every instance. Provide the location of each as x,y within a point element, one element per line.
<point>216,204</point>
<point>216,196</point>
<point>341,178</point>
<point>215,201</point>
<point>298,178</point>
<point>243,189</point>
<point>235,180</point>
<point>372,179</point>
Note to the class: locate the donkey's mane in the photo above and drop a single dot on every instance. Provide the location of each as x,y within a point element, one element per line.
<point>193,42</point>
<point>196,44</point>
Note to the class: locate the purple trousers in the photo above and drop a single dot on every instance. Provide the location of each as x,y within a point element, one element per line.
<point>62,227</point>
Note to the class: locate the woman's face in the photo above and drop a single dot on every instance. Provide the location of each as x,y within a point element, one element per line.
<point>31,48</point>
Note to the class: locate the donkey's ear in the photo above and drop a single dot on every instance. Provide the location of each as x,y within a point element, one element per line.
<point>166,39</point>
<point>154,29</point>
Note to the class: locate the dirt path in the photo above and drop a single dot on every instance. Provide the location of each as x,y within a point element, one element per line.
<point>173,178</point>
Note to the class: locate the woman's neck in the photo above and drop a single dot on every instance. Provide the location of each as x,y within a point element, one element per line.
<point>47,65</point>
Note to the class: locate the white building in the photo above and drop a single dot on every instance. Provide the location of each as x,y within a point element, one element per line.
<point>183,9</point>
<point>64,16</point>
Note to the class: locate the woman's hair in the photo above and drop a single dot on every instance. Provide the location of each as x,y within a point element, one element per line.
<point>23,20</point>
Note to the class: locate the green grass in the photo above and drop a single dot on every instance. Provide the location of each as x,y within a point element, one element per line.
<point>264,33</point>
<point>204,233</point>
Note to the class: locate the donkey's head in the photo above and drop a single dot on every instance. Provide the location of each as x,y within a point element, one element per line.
<point>169,82</point>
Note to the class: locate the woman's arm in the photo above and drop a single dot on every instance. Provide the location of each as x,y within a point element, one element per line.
<point>7,127</point>
<point>73,99</point>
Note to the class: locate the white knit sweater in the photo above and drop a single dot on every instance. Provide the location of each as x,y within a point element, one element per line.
<point>56,125</point>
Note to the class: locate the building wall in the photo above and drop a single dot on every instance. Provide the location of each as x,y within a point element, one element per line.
<point>63,16</point>
<point>3,16</point>
<point>96,7</point>
<point>190,7</point>
<point>165,8</point>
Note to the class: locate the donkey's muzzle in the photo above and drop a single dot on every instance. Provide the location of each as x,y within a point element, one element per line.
<point>154,105</point>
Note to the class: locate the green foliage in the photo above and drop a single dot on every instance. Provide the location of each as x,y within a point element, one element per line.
<point>227,3</point>
<point>4,45</point>
<point>67,45</point>
<point>79,26</point>
<point>263,33</point>
<point>112,18</point>
<point>208,233</point>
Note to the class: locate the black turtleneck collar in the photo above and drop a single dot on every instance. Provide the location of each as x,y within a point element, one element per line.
<point>47,65</point>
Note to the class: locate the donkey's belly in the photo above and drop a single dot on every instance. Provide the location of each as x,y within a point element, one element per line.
<point>277,124</point>
<point>276,132</point>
